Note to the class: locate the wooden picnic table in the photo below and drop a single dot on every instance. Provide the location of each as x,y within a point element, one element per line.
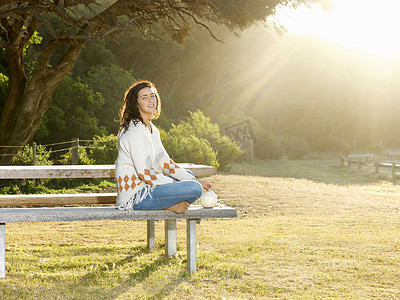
<point>57,207</point>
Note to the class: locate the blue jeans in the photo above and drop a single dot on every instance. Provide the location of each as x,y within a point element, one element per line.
<point>167,195</point>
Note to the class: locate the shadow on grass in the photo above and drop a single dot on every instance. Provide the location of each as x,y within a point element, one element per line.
<point>132,279</point>
<point>138,266</point>
<point>145,272</point>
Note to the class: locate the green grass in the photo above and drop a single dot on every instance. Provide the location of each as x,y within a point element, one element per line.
<point>306,230</point>
<point>318,168</point>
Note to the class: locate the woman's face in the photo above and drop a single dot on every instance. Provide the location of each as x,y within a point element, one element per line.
<point>147,102</point>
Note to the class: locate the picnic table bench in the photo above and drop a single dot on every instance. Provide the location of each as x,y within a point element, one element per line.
<point>360,159</point>
<point>388,164</point>
<point>393,154</point>
<point>80,207</point>
<point>392,163</point>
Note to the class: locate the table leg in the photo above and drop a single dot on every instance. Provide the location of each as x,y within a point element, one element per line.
<point>191,244</point>
<point>2,250</point>
<point>170,237</point>
<point>150,234</point>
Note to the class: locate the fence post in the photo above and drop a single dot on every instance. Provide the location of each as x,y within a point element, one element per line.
<point>394,170</point>
<point>250,148</point>
<point>75,151</point>
<point>34,154</point>
<point>247,146</point>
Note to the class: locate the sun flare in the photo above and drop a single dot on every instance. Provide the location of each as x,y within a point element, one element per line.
<point>367,25</point>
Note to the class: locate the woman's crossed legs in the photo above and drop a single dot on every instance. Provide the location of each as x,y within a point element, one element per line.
<point>176,196</point>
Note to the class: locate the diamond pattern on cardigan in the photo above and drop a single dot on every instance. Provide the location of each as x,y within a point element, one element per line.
<point>127,182</point>
<point>170,168</point>
<point>149,175</point>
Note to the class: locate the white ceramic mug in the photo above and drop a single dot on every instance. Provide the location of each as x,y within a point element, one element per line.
<point>208,199</point>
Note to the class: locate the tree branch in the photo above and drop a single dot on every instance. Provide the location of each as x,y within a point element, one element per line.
<point>31,27</point>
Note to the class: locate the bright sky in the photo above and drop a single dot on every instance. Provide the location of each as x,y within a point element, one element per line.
<point>368,25</point>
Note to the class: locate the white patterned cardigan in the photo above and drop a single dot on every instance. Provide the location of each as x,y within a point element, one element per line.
<point>142,163</point>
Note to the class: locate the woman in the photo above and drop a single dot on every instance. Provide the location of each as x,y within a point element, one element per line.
<point>146,176</point>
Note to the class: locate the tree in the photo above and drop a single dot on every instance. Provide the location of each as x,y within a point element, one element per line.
<point>69,24</point>
<point>111,82</point>
<point>72,113</point>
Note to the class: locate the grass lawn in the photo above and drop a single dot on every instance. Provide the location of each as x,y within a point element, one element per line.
<point>306,229</point>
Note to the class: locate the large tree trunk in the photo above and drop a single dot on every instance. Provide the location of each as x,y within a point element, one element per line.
<point>27,101</point>
<point>29,98</point>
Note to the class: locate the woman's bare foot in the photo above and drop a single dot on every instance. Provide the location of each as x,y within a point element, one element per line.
<point>179,208</point>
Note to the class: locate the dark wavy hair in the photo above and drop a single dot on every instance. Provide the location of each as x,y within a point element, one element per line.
<point>130,109</point>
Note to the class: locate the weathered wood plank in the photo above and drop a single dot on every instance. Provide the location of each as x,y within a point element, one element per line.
<point>57,199</point>
<point>199,170</point>
<point>82,171</point>
<point>365,155</point>
<point>66,214</point>
<point>59,171</point>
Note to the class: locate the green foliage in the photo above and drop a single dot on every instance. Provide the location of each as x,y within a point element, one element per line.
<point>3,89</point>
<point>84,159</point>
<point>266,145</point>
<point>24,156</point>
<point>79,185</point>
<point>200,131</point>
<point>202,127</point>
<point>31,53</point>
<point>10,189</point>
<point>188,148</point>
<point>227,151</point>
<point>111,82</point>
<point>26,187</point>
<point>331,144</point>
<point>34,40</point>
<point>31,188</point>
<point>104,150</point>
<point>163,121</point>
<point>96,53</point>
<point>295,147</point>
<point>72,113</point>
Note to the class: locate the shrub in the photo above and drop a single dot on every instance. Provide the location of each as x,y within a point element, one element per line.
<point>199,130</point>
<point>24,156</point>
<point>227,151</point>
<point>66,159</point>
<point>331,144</point>
<point>295,147</point>
<point>183,148</point>
<point>266,145</point>
<point>72,112</point>
<point>25,187</point>
<point>104,150</point>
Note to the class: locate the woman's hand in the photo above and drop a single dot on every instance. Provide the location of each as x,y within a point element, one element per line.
<point>205,184</point>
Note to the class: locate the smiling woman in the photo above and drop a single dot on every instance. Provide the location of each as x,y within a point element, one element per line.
<point>371,26</point>
<point>147,178</point>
